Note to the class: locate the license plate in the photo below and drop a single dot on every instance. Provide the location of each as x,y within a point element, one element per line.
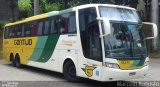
<point>125,62</point>
<point>132,73</point>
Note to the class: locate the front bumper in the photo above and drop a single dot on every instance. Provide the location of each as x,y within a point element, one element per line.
<point>111,74</point>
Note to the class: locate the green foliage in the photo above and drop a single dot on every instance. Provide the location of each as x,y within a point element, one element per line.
<point>47,7</point>
<point>1,33</point>
<point>25,7</point>
<point>132,3</point>
<point>94,1</point>
<point>73,3</point>
<point>2,25</point>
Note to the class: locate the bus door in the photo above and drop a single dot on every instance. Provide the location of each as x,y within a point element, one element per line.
<point>94,52</point>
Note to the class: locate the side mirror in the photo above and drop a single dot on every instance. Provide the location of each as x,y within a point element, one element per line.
<point>105,26</point>
<point>154,30</point>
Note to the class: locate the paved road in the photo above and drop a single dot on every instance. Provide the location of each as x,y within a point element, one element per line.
<point>44,78</point>
<point>154,71</point>
<point>26,73</point>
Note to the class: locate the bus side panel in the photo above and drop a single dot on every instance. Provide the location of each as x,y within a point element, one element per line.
<point>6,53</point>
<point>52,64</point>
<point>22,46</point>
<point>66,47</point>
<point>45,54</point>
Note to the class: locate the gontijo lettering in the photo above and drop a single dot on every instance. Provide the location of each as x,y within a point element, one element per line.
<point>23,42</point>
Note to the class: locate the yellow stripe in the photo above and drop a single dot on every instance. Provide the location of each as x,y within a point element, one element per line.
<point>28,19</point>
<point>67,44</point>
<point>24,51</point>
<point>37,17</point>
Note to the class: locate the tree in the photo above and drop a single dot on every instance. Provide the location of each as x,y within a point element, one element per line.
<point>47,6</point>
<point>131,3</point>
<point>147,9</point>
<point>25,8</point>
<point>152,14</point>
<point>155,19</point>
<point>13,5</point>
<point>36,7</point>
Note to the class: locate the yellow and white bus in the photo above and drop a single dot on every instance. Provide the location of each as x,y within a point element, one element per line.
<point>96,41</point>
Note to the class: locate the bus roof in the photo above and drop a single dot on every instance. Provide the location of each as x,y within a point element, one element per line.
<point>52,13</point>
<point>107,5</point>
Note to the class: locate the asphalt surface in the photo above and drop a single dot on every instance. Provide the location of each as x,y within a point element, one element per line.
<point>34,77</point>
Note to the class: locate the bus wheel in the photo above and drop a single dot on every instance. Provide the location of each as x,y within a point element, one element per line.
<point>17,62</point>
<point>69,71</point>
<point>12,60</point>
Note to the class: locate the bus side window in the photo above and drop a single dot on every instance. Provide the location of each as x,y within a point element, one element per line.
<point>6,32</point>
<point>27,29</point>
<point>19,31</point>
<point>23,30</point>
<point>40,27</point>
<point>54,26</point>
<point>62,23</point>
<point>72,23</point>
<point>11,32</point>
<point>67,23</point>
<point>47,27</point>
<point>35,28</point>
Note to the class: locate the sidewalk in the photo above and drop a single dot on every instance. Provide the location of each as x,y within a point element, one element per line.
<point>3,61</point>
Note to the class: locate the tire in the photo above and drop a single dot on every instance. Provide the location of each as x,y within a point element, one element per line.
<point>17,62</point>
<point>69,72</point>
<point>12,60</point>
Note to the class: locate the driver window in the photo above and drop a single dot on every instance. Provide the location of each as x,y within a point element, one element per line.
<point>94,45</point>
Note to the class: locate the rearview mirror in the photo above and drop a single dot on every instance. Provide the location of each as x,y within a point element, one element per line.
<point>105,26</point>
<point>154,30</point>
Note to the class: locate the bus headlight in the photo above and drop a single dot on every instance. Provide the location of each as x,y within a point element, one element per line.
<point>111,65</point>
<point>146,63</point>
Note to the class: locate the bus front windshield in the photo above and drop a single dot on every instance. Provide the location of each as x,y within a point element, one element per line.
<point>127,38</point>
